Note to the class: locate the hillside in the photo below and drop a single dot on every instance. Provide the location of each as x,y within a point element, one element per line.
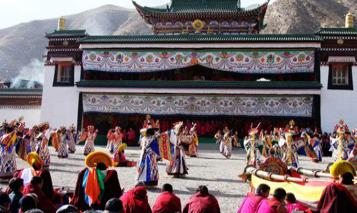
<point>21,44</point>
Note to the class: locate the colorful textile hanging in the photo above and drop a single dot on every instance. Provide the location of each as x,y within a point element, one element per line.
<point>162,147</point>
<point>238,61</point>
<point>8,141</point>
<point>166,104</point>
<point>93,184</point>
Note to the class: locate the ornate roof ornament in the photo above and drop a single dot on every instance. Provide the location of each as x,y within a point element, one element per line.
<point>61,24</point>
<point>349,21</point>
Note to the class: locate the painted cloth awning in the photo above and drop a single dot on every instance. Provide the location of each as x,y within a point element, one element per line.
<point>238,61</point>
<point>341,59</point>
<point>165,104</point>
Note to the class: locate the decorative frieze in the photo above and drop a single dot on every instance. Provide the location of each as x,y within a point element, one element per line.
<point>239,61</point>
<point>171,104</point>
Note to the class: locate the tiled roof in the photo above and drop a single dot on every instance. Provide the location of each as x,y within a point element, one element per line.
<point>66,33</point>
<point>186,38</point>
<point>337,31</point>
<point>202,84</point>
<point>198,6</point>
<point>204,5</point>
<point>20,92</point>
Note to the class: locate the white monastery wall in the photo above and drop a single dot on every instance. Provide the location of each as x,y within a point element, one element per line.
<point>338,104</point>
<point>59,104</point>
<point>31,115</point>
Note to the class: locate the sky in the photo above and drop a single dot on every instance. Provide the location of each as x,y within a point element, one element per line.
<point>13,12</point>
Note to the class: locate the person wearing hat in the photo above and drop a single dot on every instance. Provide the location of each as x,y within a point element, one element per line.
<point>119,158</point>
<point>339,143</point>
<point>110,139</point>
<point>96,184</point>
<point>42,142</point>
<point>33,141</point>
<point>89,137</point>
<point>341,195</point>
<point>37,169</point>
<point>8,140</point>
<point>148,171</point>
<point>290,155</point>
<point>117,139</point>
<point>62,149</point>
<point>71,139</point>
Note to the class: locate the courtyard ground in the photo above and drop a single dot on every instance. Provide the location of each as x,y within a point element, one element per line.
<point>211,169</point>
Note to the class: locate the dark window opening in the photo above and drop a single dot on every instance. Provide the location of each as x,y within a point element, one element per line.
<point>64,75</point>
<point>340,76</point>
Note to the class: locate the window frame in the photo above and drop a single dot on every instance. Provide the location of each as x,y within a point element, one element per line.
<point>348,86</point>
<point>56,79</point>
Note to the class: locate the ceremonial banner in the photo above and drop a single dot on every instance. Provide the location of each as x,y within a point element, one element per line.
<point>162,147</point>
<point>238,61</point>
<point>167,104</point>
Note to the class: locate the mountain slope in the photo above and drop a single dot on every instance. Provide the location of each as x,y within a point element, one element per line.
<point>22,43</point>
<point>307,16</point>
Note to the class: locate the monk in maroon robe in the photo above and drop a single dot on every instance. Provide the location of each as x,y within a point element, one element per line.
<point>167,201</point>
<point>136,200</point>
<point>111,190</point>
<point>37,170</point>
<point>337,197</point>
<point>202,202</point>
<point>35,186</point>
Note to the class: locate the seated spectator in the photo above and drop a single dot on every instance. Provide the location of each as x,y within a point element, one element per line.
<point>16,186</point>
<point>119,158</point>
<point>114,205</point>
<point>167,201</point>
<point>67,209</point>
<point>4,202</point>
<point>35,187</point>
<point>202,202</point>
<point>37,169</point>
<point>28,202</point>
<point>251,201</point>
<point>91,180</point>
<point>340,196</point>
<point>136,200</point>
<point>293,205</point>
<point>275,204</point>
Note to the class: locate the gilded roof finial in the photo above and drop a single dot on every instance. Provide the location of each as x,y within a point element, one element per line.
<point>349,21</point>
<point>61,23</point>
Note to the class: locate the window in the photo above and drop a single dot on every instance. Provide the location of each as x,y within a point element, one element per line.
<point>64,75</point>
<point>340,76</point>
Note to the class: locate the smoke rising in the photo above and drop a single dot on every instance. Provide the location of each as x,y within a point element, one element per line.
<point>30,76</point>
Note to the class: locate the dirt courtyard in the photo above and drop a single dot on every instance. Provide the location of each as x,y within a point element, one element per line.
<point>210,168</point>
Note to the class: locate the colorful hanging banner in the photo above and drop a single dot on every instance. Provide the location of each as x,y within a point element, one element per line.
<point>167,104</point>
<point>238,61</point>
